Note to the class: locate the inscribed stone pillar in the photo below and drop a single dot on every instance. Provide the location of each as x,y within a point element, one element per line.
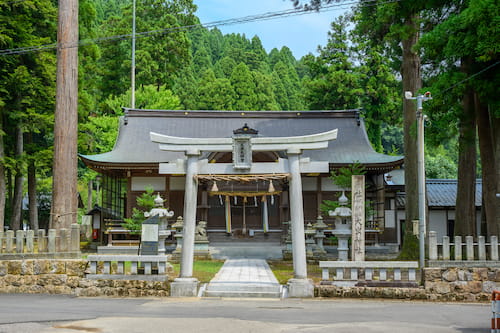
<point>358,218</point>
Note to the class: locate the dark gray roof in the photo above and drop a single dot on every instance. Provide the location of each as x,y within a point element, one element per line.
<point>443,193</point>
<point>133,144</point>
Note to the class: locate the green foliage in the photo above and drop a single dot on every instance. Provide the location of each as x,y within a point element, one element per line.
<point>146,97</point>
<point>342,177</point>
<point>328,205</point>
<point>98,134</point>
<point>145,202</point>
<point>441,163</point>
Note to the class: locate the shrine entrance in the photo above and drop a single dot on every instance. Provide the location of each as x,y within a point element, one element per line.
<point>242,145</point>
<point>245,205</point>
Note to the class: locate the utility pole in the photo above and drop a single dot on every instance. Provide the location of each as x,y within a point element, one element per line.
<point>421,173</point>
<point>132,78</point>
<point>64,186</point>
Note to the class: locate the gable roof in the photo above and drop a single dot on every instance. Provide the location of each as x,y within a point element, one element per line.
<point>134,148</point>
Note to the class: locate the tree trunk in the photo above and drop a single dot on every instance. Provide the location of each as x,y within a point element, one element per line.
<point>465,217</point>
<point>33,204</point>
<point>64,187</point>
<point>490,170</point>
<point>18,183</point>
<point>410,72</point>
<point>3,186</point>
<point>495,122</point>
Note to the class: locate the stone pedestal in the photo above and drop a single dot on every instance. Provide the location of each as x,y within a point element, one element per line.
<point>302,288</point>
<point>343,244</point>
<point>184,287</point>
<point>201,249</point>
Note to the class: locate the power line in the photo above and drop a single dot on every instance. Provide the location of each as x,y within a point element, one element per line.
<point>470,77</point>
<point>227,22</point>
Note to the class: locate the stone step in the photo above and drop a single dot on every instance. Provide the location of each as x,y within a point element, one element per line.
<point>242,294</point>
<point>244,287</point>
<point>244,278</point>
<point>245,250</point>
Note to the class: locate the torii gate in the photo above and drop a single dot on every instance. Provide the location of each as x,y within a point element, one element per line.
<point>242,144</point>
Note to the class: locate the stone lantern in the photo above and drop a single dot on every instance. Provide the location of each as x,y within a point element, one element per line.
<point>178,226</point>
<point>343,227</point>
<point>320,227</point>
<point>163,214</point>
<point>310,243</point>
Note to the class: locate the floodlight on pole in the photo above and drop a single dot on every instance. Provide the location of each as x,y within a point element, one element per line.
<point>421,172</point>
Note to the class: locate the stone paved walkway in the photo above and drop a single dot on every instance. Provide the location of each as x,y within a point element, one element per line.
<point>244,278</point>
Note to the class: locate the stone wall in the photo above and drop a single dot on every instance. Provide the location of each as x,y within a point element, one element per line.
<point>461,284</point>
<point>370,292</point>
<point>440,284</point>
<point>53,276</point>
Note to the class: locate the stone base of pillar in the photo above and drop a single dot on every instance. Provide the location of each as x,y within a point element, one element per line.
<point>184,287</point>
<point>303,288</point>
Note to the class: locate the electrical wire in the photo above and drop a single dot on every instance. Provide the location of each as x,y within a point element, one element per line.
<point>468,78</point>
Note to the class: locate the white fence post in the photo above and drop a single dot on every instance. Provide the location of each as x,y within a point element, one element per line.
<point>20,241</point>
<point>9,241</point>
<point>52,241</point>
<point>481,248</point>
<point>469,244</point>
<point>63,239</point>
<point>458,248</point>
<point>30,245</point>
<point>433,247</point>
<point>42,242</point>
<point>75,237</point>
<point>494,248</point>
<point>446,248</point>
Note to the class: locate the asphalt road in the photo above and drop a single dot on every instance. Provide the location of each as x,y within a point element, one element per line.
<point>55,313</point>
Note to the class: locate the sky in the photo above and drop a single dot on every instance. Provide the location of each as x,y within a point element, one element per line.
<point>302,34</point>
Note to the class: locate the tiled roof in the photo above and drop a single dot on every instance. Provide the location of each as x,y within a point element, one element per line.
<point>442,193</point>
<point>133,144</point>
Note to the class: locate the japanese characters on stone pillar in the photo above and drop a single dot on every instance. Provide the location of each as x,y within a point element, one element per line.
<point>358,218</point>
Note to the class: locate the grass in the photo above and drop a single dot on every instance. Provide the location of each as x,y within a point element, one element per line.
<point>203,270</point>
<point>283,270</point>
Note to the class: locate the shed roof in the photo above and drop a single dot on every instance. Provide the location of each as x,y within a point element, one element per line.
<point>443,193</point>
<point>134,147</point>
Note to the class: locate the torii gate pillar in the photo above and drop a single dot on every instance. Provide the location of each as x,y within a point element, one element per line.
<point>300,285</point>
<point>186,284</point>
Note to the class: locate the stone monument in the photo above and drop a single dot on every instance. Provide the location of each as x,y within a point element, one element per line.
<point>358,218</point>
<point>163,215</point>
<point>149,237</point>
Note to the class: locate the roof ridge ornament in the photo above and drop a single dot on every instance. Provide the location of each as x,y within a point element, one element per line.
<point>246,130</point>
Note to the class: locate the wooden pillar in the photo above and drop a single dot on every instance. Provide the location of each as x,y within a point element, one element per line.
<point>64,191</point>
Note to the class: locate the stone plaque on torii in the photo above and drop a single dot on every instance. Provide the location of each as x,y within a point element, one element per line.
<point>243,145</point>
